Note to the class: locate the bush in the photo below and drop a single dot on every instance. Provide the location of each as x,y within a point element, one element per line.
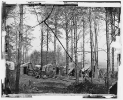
<point>86,87</point>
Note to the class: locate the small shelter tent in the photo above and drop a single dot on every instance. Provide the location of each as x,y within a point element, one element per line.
<point>10,64</point>
<point>87,67</point>
<point>25,67</point>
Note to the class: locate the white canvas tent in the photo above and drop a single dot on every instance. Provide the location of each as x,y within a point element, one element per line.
<point>38,66</point>
<point>25,64</point>
<point>87,67</point>
<point>71,67</point>
<point>44,67</point>
<point>24,67</point>
<point>47,66</point>
<point>11,65</point>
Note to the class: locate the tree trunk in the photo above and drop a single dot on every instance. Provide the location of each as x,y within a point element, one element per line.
<point>108,49</point>
<point>66,29</point>
<point>75,49</point>
<point>83,42</point>
<point>26,48</point>
<point>55,47</point>
<point>71,42</point>
<point>112,37</point>
<point>26,53</point>
<point>119,55</point>
<point>16,47</point>
<point>19,49</point>
<point>8,44</point>
<point>55,37</point>
<point>7,58</point>
<point>96,49</point>
<point>91,43</point>
<point>23,51</point>
<point>47,46</point>
<point>42,39</point>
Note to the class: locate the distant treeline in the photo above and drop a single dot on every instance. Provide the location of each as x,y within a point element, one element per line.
<point>35,57</point>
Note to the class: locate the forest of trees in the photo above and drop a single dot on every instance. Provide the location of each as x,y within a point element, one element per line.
<point>76,22</point>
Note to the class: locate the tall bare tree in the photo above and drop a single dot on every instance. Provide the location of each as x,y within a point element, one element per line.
<point>108,46</point>
<point>42,40</point>
<point>47,46</point>
<point>75,46</point>
<point>112,18</point>
<point>83,41</point>
<point>96,48</point>
<point>56,12</point>
<point>71,39</point>
<point>19,48</point>
<point>66,30</point>
<point>119,55</point>
<point>91,43</point>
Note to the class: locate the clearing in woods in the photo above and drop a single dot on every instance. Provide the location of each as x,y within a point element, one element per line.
<point>29,84</point>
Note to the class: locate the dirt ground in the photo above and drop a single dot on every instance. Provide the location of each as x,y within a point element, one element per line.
<point>59,85</point>
<point>29,84</point>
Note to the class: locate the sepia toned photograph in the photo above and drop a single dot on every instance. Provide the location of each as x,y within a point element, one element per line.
<point>60,48</point>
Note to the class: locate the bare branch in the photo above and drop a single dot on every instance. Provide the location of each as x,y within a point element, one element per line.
<point>45,18</point>
<point>36,14</point>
